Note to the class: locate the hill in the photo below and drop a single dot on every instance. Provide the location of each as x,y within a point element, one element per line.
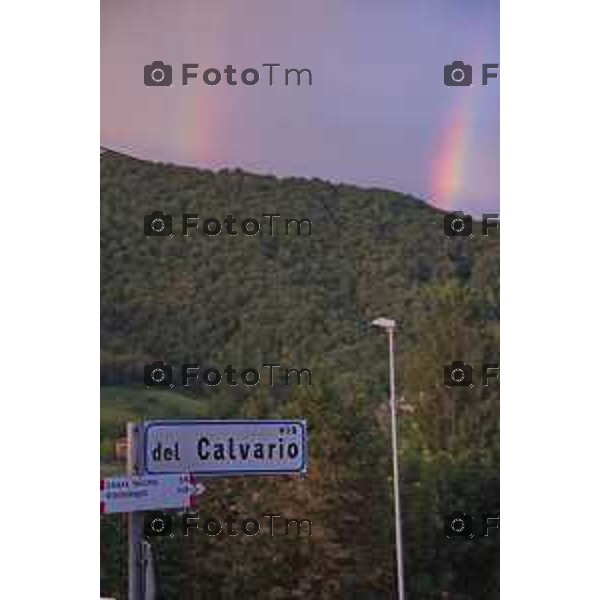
<point>302,301</point>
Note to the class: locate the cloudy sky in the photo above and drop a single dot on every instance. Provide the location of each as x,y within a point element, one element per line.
<point>378,112</point>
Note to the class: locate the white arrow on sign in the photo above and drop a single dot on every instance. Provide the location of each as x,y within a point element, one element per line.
<point>197,487</point>
<point>224,448</point>
<point>147,492</point>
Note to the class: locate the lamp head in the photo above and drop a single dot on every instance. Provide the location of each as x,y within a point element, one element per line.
<point>384,323</point>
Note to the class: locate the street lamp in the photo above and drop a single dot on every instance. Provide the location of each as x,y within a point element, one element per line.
<point>389,325</point>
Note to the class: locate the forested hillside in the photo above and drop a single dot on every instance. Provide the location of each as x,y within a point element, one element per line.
<point>303,301</point>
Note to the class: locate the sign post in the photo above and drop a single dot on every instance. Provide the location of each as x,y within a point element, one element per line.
<point>135,519</point>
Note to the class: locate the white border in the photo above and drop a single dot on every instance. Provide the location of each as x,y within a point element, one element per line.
<point>549,299</point>
<point>49,333</point>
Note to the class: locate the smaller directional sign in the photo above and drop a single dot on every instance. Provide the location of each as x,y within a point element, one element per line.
<point>147,492</point>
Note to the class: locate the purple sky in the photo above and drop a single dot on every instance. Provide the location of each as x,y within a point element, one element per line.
<point>377,114</point>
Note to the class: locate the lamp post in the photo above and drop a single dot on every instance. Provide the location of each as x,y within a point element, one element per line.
<point>389,325</point>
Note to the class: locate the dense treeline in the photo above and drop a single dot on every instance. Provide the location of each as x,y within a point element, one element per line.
<point>302,302</point>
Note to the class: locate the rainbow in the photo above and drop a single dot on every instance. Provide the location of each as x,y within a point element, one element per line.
<point>450,152</point>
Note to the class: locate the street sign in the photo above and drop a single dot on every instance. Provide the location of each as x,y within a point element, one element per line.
<point>224,448</point>
<point>146,492</point>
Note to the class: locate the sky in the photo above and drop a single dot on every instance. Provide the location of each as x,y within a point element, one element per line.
<point>377,114</point>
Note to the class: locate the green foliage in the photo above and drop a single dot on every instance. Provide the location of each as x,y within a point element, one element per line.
<point>303,302</point>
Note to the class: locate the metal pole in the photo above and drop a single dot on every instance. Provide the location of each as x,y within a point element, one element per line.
<point>396,470</point>
<point>135,519</point>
